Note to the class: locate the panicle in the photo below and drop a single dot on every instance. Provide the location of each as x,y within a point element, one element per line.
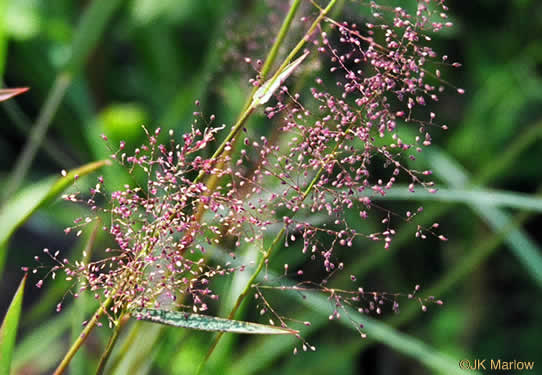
<point>339,148</point>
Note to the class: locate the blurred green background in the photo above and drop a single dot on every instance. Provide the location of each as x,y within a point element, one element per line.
<point>109,66</point>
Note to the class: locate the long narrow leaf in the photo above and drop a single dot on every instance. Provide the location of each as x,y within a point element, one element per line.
<point>37,135</point>
<point>130,357</point>
<point>41,340</point>
<point>517,239</point>
<point>208,323</point>
<point>383,333</point>
<point>267,90</point>
<point>522,246</point>
<point>468,196</point>
<point>90,29</point>
<point>376,330</point>
<point>18,210</point>
<point>8,330</point>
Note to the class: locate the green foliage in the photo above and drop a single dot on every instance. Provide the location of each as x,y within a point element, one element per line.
<point>119,65</point>
<point>268,88</point>
<point>520,243</point>
<point>207,323</point>
<point>45,338</point>
<point>91,28</point>
<point>492,198</point>
<point>19,209</point>
<point>8,329</point>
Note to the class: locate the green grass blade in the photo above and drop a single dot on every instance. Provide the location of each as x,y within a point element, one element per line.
<point>41,339</point>
<point>91,27</point>
<point>472,196</point>
<point>39,130</point>
<point>208,323</point>
<point>522,246</point>
<point>8,330</point>
<point>18,210</point>
<point>136,350</point>
<point>385,334</point>
<point>376,330</point>
<point>23,125</point>
<point>266,91</point>
<point>3,36</point>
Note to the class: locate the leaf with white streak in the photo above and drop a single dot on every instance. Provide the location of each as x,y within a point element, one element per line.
<point>267,90</point>
<point>208,323</point>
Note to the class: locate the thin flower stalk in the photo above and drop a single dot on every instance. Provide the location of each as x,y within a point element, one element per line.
<point>82,338</point>
<point>218,155</point>
<point>261,264</point>
<point>120,323</point>
<point>320,162</point>
<point>249,109</point>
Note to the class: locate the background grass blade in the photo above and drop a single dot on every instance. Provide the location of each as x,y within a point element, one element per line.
<point>8,330</point>
<point>528,253</point>
<point>37,134</point>
<point>89,31</point>
<point>403,343</point>
<point>91,27</point>
<point>43,339</point>
<point>23,125</point>
<point>18,210</point>
<point>136,351</point>
<point>522,246</point>
<point>468,196</point>
<point>208,323</point>
<point>378,331</point>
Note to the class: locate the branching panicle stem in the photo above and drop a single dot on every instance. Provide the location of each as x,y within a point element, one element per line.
<point>82,338</point>
<point>248,109</point>
<point>246,113</point>
<point>121,321</point>
<point>261,264</point>
<point>322,167</point>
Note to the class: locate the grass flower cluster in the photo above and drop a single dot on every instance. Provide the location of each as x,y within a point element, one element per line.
<point>334,149</point>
